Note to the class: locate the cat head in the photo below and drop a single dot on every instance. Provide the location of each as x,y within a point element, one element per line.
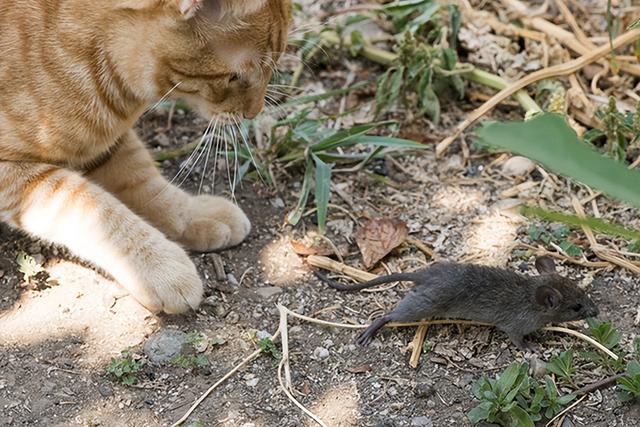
<point>217,55</point>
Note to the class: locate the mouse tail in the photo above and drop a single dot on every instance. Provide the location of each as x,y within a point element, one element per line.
<point>395,277</point>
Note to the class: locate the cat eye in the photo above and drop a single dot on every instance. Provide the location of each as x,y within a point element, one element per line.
<point>233,77</point>
<point>577,307</point>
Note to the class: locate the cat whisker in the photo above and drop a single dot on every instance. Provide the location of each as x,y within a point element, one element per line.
<point>161,100</point>
<point>206,159</point>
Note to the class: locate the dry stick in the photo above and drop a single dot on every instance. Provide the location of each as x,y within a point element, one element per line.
<point>567,409</point>
<point>563,36</point>
<point>286,384</point>
<point>424,248</point>
<point>557,70</point>
<point>582,337</point>
<point>294,400</point>
<point>599,250</point>
<point>416,345</point>
<point>597,385</point>
<point>223,379</point>
<point>571,20</point>
<point>543,251</point>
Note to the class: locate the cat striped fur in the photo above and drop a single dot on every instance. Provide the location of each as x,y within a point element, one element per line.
<point>75,75</point>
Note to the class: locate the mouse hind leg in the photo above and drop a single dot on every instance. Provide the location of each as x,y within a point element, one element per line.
<point>365,338</point>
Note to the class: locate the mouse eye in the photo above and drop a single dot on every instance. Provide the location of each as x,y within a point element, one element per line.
<point>576,307</point>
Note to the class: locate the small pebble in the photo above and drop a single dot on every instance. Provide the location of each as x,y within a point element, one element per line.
<point>518,166</point>
<point>422,422</point>
<point>423,390</point>
<point>164,345</point>
<point>320,353</point>
<point>232,317</point>
<point>105,390</point>
<point>263,334</point>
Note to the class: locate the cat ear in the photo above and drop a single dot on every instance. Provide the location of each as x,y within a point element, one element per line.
<point>545,265</point>
<point>548,297</point>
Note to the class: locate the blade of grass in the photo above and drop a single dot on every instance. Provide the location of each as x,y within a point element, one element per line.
<point>294,216</point>
<point>323,189</point>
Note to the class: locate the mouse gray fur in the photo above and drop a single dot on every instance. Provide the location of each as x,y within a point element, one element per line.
<point>516,304</point>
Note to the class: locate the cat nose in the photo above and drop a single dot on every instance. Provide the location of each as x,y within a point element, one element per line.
<point>253,108</point>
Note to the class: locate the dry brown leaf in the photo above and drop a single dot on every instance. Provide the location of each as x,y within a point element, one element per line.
<point>315,248</point>
<point>378,237</point>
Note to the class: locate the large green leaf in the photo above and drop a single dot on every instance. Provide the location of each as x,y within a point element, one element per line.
<point>294,216</point>
<point>323,189</point>
<point>549,140</point>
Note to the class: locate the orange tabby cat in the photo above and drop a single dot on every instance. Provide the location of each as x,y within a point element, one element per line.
<point>74,77</point>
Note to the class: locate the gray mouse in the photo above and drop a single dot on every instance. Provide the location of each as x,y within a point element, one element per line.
<point>515,304</point>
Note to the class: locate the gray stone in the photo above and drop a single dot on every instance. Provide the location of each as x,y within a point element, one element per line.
<point>268,291</point>
<point>422,422</point>
<point>320,353</point>
<point>164,345</point>
<point>424,390</point>
<point>105,390</point>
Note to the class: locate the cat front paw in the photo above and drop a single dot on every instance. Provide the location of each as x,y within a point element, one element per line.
<point>171,282</point>
<point>215,223</point>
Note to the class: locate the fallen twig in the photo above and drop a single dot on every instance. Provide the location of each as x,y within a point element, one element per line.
<point>557,70</point>
<point>219,382</point>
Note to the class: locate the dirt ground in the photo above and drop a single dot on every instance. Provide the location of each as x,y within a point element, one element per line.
<point>58,340</point>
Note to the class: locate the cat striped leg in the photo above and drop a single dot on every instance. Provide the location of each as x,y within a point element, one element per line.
<point>202,223</point>
<point>63,207</point>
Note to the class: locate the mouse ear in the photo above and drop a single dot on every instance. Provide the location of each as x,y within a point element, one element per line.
<point>548,297</point>
<point>545,265</point>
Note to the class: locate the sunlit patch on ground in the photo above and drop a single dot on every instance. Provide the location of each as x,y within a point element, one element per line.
<point>338,406</point>
<point>282,266</point>
<point>491,238</point>
<point>83,304</point>
<point>458,199</point>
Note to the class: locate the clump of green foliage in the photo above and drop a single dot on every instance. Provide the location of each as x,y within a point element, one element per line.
<point>28,266</point>
<point>554,233</point>
<point>619,130</point>
<point>189,361</point>
<point>514,398</point>
<point>126,367</point>
<point>426,63</point>
<point>268,346</point>
<point>629,384</point>
<point>196,342</point>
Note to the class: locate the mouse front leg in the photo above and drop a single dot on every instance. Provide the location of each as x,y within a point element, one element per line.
<point>365,338</point>
<point>518,339</point>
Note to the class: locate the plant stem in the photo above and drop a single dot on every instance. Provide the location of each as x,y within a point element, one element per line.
<point>385,57</point>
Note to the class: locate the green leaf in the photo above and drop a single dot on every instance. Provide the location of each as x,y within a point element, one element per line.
<point>455,20</point>
<point>519,418</point>
<point>508,377</point>
<point>570,249</point>
<point>633,368</point>
<point>308,99</point>
<point>549,140</point>
<point>340,137</point>
<point>563,400</point>
<point>480,412</point>
<point>323,190</point>
<point>294,216</point>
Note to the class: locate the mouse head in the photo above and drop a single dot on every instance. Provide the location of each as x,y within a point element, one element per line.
<point>559,298</point>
